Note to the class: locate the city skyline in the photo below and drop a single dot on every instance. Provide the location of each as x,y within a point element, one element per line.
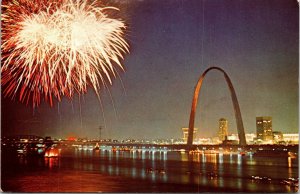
<point>255,42</point>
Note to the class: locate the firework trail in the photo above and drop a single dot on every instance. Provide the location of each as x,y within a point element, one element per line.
<point>56,48</point>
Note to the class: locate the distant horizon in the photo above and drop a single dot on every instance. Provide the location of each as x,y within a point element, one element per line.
<point>126,138</point>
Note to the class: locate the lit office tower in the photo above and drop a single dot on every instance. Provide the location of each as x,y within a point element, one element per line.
<point>223,129</point>
<point>185,132</point>
<point>264,128</point>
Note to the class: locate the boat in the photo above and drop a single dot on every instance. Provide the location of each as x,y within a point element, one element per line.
<point>97,147</point>
<point>51,152</point>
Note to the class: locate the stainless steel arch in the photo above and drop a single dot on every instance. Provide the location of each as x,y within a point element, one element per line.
<point>238,116</point>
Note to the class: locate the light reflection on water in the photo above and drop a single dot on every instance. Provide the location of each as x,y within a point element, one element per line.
<point>216,163</point>
<point>201,170</point>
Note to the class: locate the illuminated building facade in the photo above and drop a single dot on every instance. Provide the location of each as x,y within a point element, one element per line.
<point>250,137</point>
<point>264,128</point>
<point>291,138</point>
<point>185,133</point>
<point>277,136</point>
<point>233,137</point>
<point>223,129</point>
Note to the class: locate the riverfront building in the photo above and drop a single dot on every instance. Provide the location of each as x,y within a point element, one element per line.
<point>277,136</point>
<point>264,128</point>
<point>185,134</point>
<point>223,129</point>
<point>291,138</point>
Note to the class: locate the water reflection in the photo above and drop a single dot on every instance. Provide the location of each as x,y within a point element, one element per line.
<point>51,162</point>
<point>239,159</point>
<point>117,153</point>
<point>231,158</point>
<point>203,157</point>
<point>221,182</point>
<point>184,156</point>
<point>289,162</point>
<point>133,172</point>
<point>133,154</point>
<point>221,158</point>
<point>110,169</point>
<point>212,158</point>
<point>160,166</point>
<point>165,155</point>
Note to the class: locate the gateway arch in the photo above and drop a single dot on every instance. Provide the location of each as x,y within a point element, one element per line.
<point>238,116</point>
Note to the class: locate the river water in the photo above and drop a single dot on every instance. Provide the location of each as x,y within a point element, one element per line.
<point>145,171</point>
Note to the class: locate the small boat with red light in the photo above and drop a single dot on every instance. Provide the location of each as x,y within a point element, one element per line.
<point>51,152</point>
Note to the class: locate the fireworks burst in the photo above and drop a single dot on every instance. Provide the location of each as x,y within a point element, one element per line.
<point>56,48</point>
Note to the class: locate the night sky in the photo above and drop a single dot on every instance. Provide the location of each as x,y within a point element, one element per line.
<point>172,42</point>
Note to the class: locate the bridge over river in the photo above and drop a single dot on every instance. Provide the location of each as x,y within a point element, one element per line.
<point>182,147</point>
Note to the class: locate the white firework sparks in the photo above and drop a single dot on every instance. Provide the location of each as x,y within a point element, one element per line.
<point>61,50</point>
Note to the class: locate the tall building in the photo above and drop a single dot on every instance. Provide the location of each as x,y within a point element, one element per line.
<point>264,128</point>
<point>185,133</point>
<point>223,129</point>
